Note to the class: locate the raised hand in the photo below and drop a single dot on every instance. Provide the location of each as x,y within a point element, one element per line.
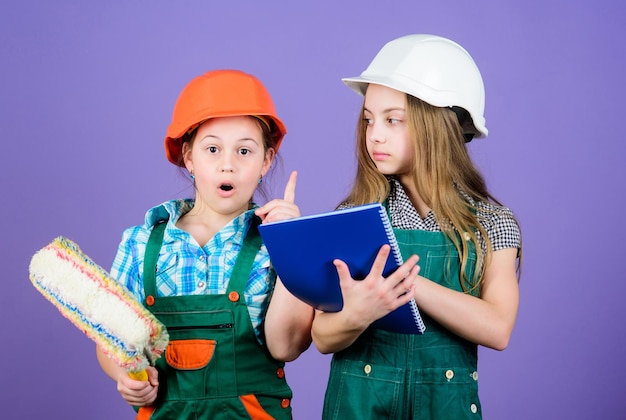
<point>278,209</point>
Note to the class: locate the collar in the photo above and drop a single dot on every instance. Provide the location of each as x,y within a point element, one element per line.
<point>173,210</point>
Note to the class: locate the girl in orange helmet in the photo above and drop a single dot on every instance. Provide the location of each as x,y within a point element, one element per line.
<point>199,265</point>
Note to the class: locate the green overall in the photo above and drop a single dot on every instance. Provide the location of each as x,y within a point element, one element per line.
<point>214,366</point>
<point>386,375</point>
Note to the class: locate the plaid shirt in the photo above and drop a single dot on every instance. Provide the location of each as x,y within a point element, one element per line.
<point>184,268</point>
<point>499,222</point>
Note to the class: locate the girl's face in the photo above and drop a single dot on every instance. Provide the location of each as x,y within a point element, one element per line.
<point>227,158</point>
<point>387,133</point>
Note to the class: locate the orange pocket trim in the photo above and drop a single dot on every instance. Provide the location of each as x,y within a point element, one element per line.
<point>145,412</point>
<point>253,407</point>
<point>189,354</point>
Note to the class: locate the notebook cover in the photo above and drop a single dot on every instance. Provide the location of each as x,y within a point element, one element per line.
<point>302,251</point>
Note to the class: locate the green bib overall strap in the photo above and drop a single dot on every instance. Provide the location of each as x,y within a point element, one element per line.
<point>150,259</point>
<point>251,246</point>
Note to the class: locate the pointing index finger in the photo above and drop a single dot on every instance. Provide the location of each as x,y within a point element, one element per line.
<point>290,189</point>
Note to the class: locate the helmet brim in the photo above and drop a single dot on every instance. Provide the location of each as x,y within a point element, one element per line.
<point>360,83</point>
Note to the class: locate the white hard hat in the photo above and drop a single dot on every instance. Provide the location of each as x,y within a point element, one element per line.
<point>431,68</point>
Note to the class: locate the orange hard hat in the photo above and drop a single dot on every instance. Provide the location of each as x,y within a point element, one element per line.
<point>219,93</point>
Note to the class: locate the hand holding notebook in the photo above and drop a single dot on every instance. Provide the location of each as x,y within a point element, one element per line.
<point>303,250</point>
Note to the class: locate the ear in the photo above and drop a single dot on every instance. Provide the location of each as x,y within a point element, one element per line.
<point>186,152</point>
<point>269,158</point>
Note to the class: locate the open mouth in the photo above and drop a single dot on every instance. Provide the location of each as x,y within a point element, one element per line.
<point>226,187</point>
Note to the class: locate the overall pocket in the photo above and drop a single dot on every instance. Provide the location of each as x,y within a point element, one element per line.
<point>198,354</point>
<point>189,354</point>
<point>443,266</point>
<point>362,390</point>
<point>442,393</point>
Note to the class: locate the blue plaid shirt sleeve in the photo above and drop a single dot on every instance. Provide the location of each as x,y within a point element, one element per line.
<point>126,264</point>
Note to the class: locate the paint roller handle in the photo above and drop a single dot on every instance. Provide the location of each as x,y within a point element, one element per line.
<point>142,375</point>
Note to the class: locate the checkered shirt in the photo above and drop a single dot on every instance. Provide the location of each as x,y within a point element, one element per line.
<point>498,222</point>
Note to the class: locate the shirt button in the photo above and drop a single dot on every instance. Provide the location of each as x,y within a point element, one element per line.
<point>201,285</point>
<point>201,258</point>
<point>367,369</point>
<point>284,403</point>
<point>449,374</point>
<point>473,408</point>
<point>475,376</point>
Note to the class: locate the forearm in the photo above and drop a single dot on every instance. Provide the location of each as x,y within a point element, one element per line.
<point>112,369</point>
<point>287,325</point>
<point>477,320</point>
<point>335,331</point>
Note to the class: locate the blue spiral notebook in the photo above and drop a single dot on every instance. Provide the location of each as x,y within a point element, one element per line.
<point>302,251</point>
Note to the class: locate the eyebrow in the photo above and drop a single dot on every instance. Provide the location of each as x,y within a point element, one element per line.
<point>387,110</point>
<point>243,139</point>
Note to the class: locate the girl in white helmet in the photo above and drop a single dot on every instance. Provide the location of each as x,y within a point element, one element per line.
<point>424,99</point>
<point>200,266</point>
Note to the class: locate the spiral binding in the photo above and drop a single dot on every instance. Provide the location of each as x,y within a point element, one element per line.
<point>395,250</point>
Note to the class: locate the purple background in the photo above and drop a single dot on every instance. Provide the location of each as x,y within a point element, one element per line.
<point>86,94</point>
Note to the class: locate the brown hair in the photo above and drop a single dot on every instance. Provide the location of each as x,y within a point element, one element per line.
<point>442,168</point>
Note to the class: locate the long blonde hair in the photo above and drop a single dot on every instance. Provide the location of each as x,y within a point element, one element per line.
<point>442,168</point>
